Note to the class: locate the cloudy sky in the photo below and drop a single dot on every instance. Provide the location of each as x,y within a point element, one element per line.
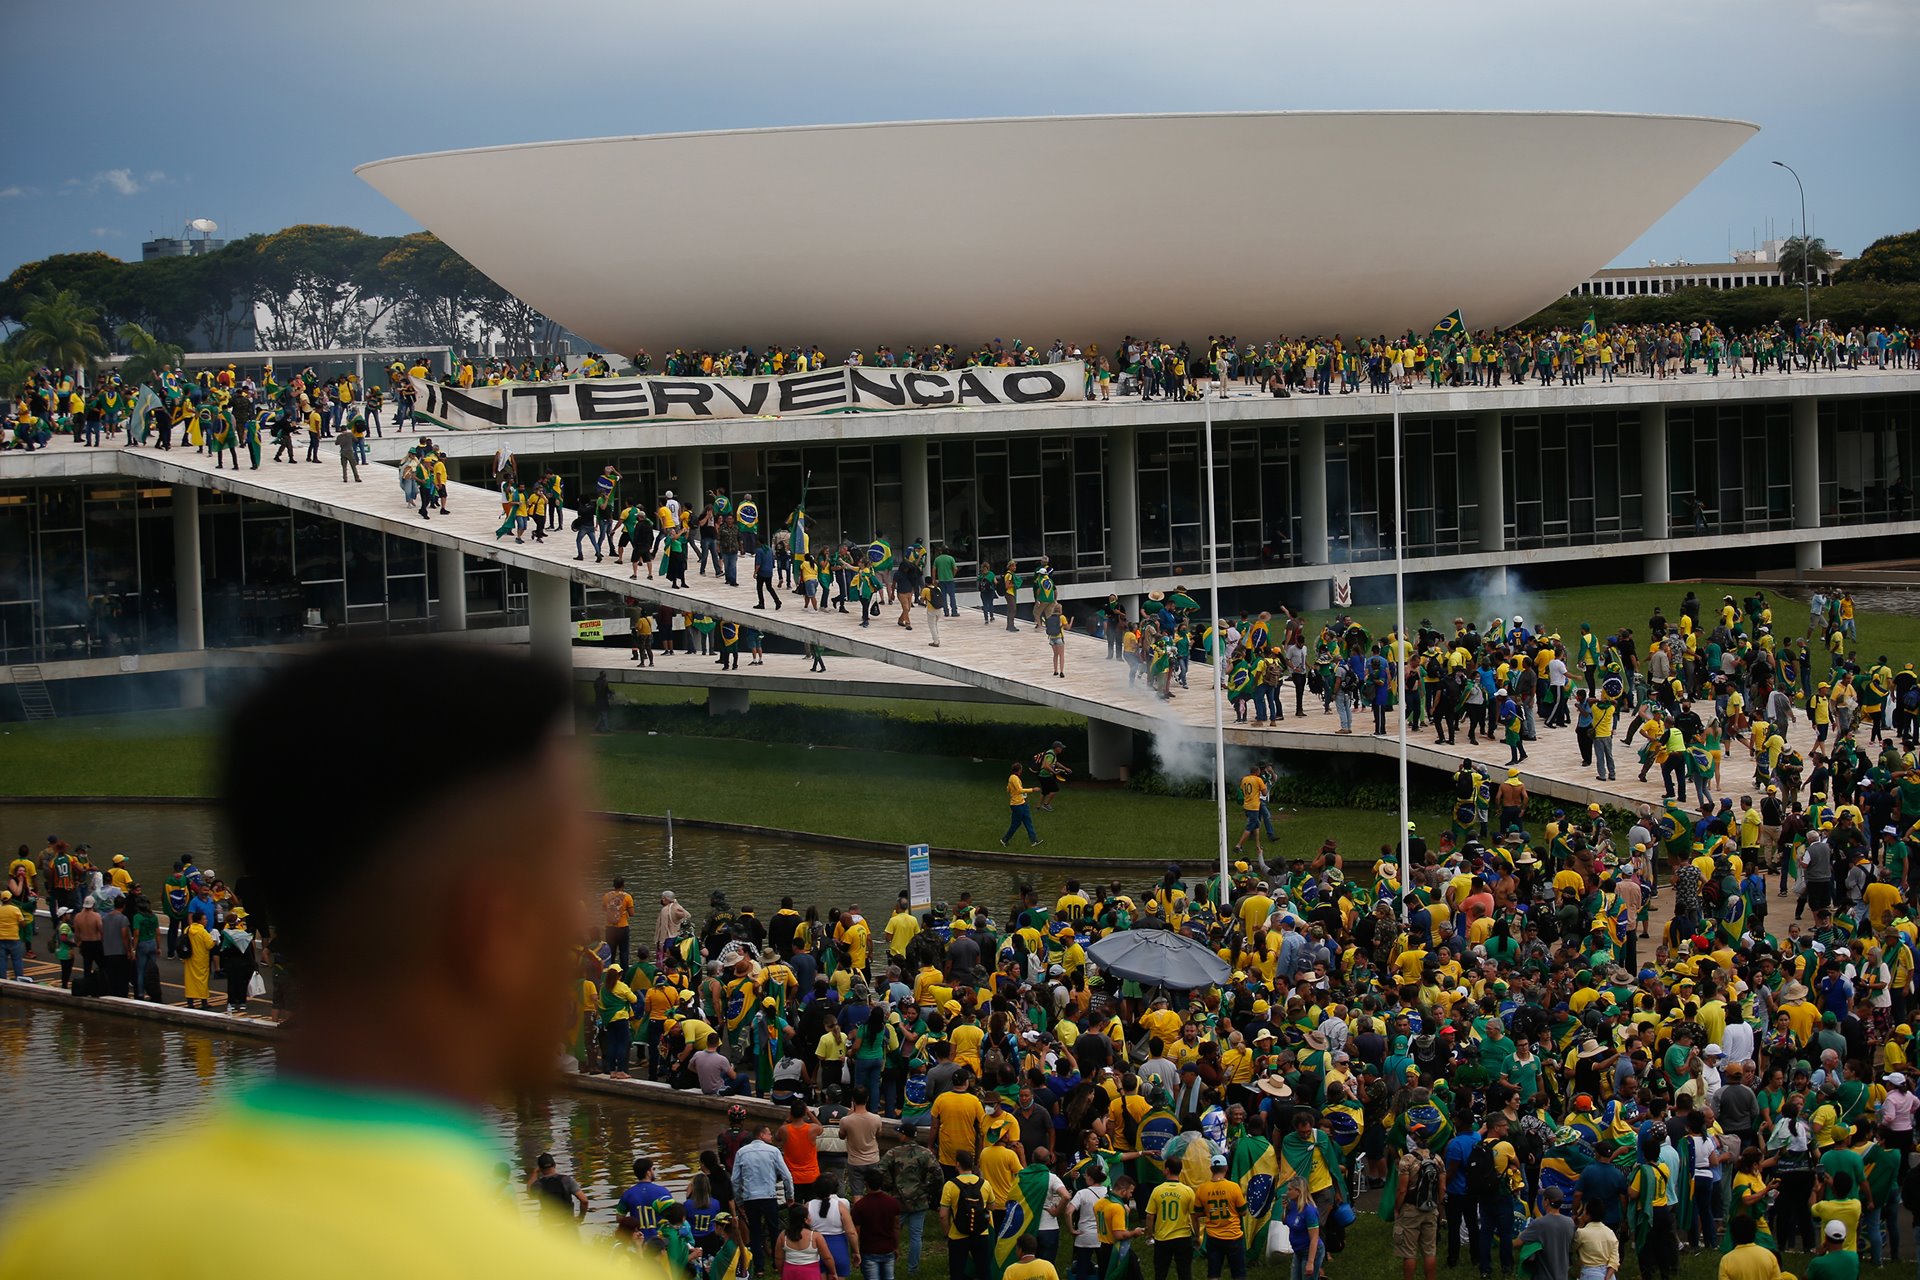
<point>140,116</point>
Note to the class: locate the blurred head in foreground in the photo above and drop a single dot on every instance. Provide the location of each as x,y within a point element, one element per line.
<point>411,824</point>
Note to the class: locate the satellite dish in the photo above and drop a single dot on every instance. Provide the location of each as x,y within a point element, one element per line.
<point>205,225</point>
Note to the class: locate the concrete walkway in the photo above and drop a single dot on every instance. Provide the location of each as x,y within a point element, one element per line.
<point>1013,665</point>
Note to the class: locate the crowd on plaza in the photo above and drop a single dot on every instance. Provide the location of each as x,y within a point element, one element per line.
<point>230,412</point>
<point>1529,1053</point>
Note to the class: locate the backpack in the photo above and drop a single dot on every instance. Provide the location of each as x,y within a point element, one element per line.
<point>1424,1193</point>
<point>553,1190</point>
<point>970,1209</point>
<point>1483,1178</point>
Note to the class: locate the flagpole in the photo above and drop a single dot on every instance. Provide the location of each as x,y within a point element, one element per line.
<point>1218,651</point>
<point>1400,640</point>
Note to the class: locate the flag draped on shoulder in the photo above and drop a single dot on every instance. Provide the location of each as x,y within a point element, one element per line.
<point>1024,1207</point>
<point>1257,1170</point>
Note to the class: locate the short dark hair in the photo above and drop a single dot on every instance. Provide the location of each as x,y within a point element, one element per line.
<point>1744,1229</point>
<point>305,851</point>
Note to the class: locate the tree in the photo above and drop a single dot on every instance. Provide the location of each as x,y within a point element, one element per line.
<point>319,286</point>
<point>1801,255</point>
<point>149,355</point>
<point>59,329</point>
<point>1888,260</point>
<point>93,276</point>
<point>437,290</point>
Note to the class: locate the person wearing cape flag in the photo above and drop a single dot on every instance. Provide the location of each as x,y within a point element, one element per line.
<point>1024,1209</point>
<point>731,1260</point>
<point>1256,1167</point>
<point>1426,1121</point>
<point>1312,1155</point>
<point>797,522</point>
<point>746,518</point>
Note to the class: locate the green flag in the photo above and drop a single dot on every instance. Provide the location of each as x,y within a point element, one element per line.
<point>1448,326</point>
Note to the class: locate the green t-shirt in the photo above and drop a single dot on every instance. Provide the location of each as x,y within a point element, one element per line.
<point>146,926</point>
<point>1841,1264</point>
<point>943,568</point>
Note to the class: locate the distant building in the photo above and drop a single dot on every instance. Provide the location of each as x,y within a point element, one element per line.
<point>1749,268</point>
<point>178,247</point>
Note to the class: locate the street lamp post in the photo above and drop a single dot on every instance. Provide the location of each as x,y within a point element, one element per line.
<point>1806,266</point>
<point>1216,650</point>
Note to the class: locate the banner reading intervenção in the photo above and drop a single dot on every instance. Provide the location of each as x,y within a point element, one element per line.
<point>843,387</point>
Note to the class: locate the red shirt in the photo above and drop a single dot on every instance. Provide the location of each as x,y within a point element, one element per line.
<point>876,1215</point>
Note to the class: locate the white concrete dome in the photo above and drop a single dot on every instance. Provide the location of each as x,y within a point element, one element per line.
<point>1082,227</point>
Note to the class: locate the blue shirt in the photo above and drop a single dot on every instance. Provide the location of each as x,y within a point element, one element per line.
<point>1457,1153</point>
<point>758,1169</point>
<point>1601,1185</point>
<point>640,1202</point>
<point>763,560</point>
<point>1301,1220</point>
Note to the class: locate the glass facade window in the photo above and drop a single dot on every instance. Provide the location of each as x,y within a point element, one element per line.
<point>1736,460</point>
<point>1021,498</point>
<point>1571,479</point>
<point>1867,454</point>
<point>1256,491</point>
<point>1440,483</point>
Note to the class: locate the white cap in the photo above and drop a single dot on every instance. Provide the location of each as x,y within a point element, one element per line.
<point>1836,1229</point>
<point>1895,1078</point>
<point>1843,953</point>
<point>1715,1051</point>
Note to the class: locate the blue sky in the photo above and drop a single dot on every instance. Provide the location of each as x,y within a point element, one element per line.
<point>254,113</point>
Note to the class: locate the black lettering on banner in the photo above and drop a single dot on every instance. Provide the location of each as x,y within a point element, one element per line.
<point>543,396</point>
<point>882,385</point>
<point>1051,386</point>
<point>494,412</point>
<point>756,400</point>
<point>601,402</point>
<point>691,394</point>
<point>824,390</point>
<point>943,394</point>
<point>972,387</point>
<point>432,408</point>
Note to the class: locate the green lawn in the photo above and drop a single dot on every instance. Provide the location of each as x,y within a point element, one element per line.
<point>891,796</point>
<point>1630,604</point>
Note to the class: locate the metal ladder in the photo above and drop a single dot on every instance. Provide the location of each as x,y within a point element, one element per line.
<point>31,688</point>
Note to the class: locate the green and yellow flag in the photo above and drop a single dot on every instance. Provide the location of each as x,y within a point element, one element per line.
<point>1257,1171</point>
<point>1024,1207</point>
<point>1448,325</point>
<point>1588,329</point>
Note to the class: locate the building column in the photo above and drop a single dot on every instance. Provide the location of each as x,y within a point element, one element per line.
<point>1807,553</point>
<point>914,504</point>
<point>1311,458</point>
<point>188,602</point>
<point>1123,504</point>
<point>452,566</point>
<point>690,478</point>
<point>729,701</point>
<point>1110,750</point>
<point>1656,493</point>
<point>1490,459</point>
<point>550,625</point>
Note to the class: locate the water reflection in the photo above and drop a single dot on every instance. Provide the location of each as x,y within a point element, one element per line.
<point>76,1085</point>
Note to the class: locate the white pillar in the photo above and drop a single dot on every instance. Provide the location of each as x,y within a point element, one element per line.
<point>188,602</point>
<point>1123,505</point>
<point>1109,750</point>
<point>1656,490</point>
<point>1312,460</point>
<point>1656,566</point>
<point>550,625</point>
<point>689,478</point>
<point>729,701</point>
<point>915,509</point>
<point>1806,463</point>
<point>452,614</point>
<point>1808,553</point>
<point>1490,461</point>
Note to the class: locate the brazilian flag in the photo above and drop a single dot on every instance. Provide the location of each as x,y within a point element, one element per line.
<point>797,531</point>
<point>739,1007</point>
<point>729,1261</point>
<point>1257,1172</point>
<point>1587,330</point>
<point>747,515</point>
<point>1447,326</point>
<point>1158,1128</point>
<point>1024,1207</point>
<point>1345,1120</point>
<point>880,555</point>
<point>1428,1124</point>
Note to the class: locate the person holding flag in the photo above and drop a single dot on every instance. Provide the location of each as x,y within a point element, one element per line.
<point>746,517</point>
<point>1255,1166</point>
<point>1035,1188</point>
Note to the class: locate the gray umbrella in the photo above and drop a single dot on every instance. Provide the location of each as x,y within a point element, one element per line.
<point>1159,957</point>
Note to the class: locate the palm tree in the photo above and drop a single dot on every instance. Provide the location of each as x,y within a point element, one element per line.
<point>15,370</point>
<point>1812,252</point>
<point>59,330</point>
<point>149,354</point>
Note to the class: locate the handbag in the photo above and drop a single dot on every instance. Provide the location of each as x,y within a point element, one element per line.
<point>256,986</point>
<point>1279,1239</point>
